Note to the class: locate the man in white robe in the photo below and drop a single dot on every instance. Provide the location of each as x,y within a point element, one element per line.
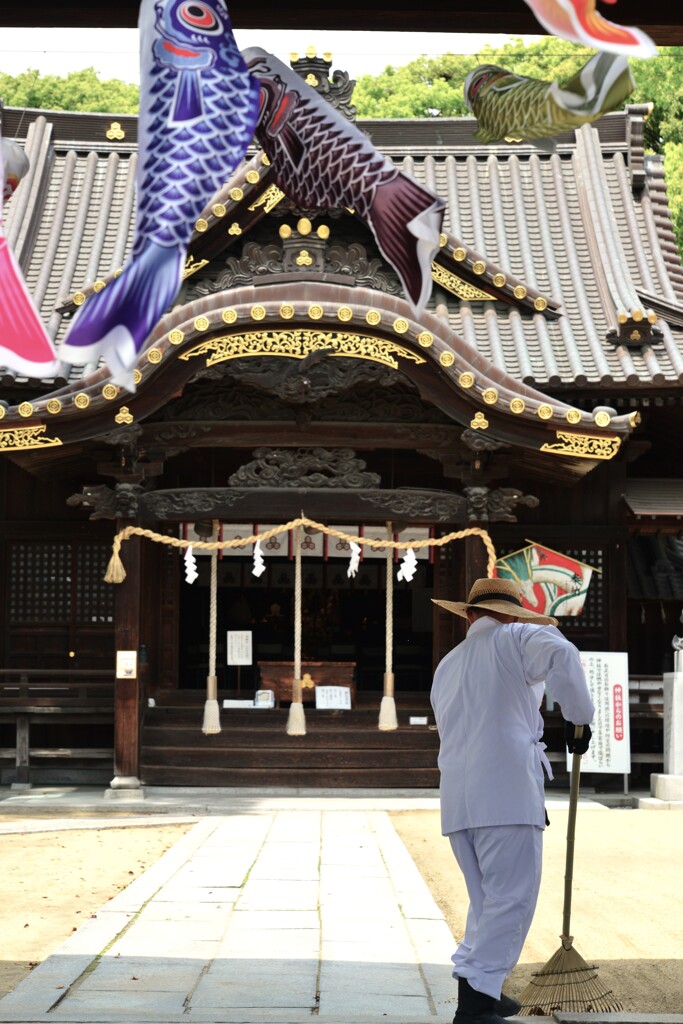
<point>486,696</point>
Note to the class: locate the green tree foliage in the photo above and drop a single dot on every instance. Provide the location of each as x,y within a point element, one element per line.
<point>433,87</point>
<point>79,90</point>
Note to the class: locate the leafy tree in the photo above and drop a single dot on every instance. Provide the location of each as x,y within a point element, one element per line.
<point>79,90</point>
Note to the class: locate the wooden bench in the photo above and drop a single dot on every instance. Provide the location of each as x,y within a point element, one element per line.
<point>60,697</point>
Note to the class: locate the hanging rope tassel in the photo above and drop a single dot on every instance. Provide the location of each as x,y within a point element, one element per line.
<point>212,718</point>
<point>296,722</point>
<point>115,572</point>
<point>387,711</point>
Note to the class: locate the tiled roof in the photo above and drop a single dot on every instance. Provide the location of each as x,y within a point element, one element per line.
<point>653,498</point>
<point>588,227</point>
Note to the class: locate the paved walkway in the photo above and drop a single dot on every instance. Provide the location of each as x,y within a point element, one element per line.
<point>263,912</point>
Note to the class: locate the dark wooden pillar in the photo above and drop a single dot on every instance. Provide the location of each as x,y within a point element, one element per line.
<point>127,691</point>
<point>476,559</point>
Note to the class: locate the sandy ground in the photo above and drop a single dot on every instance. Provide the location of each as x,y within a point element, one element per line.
<point>627,899</point>
<point>627,912</point>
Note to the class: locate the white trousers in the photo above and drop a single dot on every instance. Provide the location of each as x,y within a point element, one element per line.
<point>502,869</point>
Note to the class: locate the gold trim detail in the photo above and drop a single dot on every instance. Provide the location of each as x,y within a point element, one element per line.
<point>79,298</point>
<point>479,422</point>
<point>517,405</point>
<point>54,406</point>
<point>117,273</point>
<point>479,267</point>
<point>285,231</point>
<point>459,254</point>
<point>236,194</point>
<point>154,356</point>
<point>192,266</point>
<point>99,285</point>
<point>635,419</point>
<point>265,160</point>
<point>115,132</point>
<point>454,284</point>
<point>304,259</point>
<point>519,291</point>
<point>652,317</point>
<point>602,419</point>
<point>573,416</point>
<point>25,410</point>
<point>258,312</point>
<point>253,177</point>
<point>443,240</point>
<point>540,303</point>
<point>637,315</point>
<point>229,316</point>
<point>219,210</point>
<point>426,340</point>
<point>490,396</point>
<point>23,438</point>
<point>499,280</point>
<point>323,232</point>
<point>304,226</point>
<point>269,198</point>
<point>446,359</point>
<point>110,391</point>
<point>466,380</point>
<point>202,323</point>
<point>124,416</point>
<point>201,225</point>
<point>315,312</point>
<point>310,79</point>
<point>176,337</point>
<point>583,446</point>
<point>2,412</point>
<point>287,311</point>
<point>235,229</point>
<point>373,317</point>
<point>137,376</point>
<point>299,343</point>
<point>82,401</point>
<point>344,313</point>
<point>401,325</point>
<point>545,412</point>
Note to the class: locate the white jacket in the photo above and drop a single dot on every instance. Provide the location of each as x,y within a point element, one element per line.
<point>486,696</point>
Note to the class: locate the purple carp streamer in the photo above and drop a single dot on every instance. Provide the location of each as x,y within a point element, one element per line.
<point>198,109</point>
<point>322,161</point>
<point>514,107</point>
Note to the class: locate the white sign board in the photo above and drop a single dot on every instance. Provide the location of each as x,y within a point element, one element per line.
<point>333,697</point>
<point>126,664</point>
<point>610,746</point>
<point>239,647</point>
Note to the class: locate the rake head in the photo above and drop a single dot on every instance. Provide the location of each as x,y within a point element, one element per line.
<point>566,983</point>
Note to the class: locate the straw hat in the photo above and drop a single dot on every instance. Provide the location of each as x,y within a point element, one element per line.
<point>497,595</point>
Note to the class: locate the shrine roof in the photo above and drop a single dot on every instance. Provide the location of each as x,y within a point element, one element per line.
<point>587,230</point>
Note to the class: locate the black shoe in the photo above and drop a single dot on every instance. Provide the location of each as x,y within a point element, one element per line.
<point>507,1006</point>
<point>475,1007</point>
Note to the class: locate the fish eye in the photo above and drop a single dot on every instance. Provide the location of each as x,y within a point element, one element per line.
<point>200,16</point>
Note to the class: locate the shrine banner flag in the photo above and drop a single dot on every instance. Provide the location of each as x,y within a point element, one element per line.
<point>551,583</point>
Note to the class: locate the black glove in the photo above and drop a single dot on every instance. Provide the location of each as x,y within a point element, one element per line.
<point>575,746</point>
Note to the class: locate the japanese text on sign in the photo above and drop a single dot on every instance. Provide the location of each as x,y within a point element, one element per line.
<point>610,746</point>
<point>239,647</point>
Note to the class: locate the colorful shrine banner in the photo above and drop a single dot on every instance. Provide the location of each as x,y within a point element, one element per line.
<point>551,583</point>
<point>579,22</point>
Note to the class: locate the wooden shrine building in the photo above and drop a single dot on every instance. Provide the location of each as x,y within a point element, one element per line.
<point>538,397</point>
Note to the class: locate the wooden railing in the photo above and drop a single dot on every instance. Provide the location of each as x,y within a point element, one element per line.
<point>60,696</point>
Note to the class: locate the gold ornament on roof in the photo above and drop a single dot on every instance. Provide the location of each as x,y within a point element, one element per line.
<point>583,446</point>
<point>253,177</point>
<point>2,412</point>
<point>176,337</point>
<point>443,240</point>
<point>454,284</point>
<point>545,412</point>
<point>24,438</point>
<point>25,410</point>
<point>311,79</point>
<point>479,422</point>
<point>287,311</point>
<point>82,401</point>
<point>602,419</point>
<point>425,339</point>
<point>265,160</point>
<point>466,380</point>
<point>315,312</point>
<point>446,359</point>
<point>115,132</point>
<point>124,417</point>
<point>258,312</point>
<point>201,225</point>
<point>540,303</point>
<point>517,406</point>
<point>229,316</point>
<point>99,285</point>
<point>499,280</point>
<point>634,419</point>
<point>110,391</point>
<point>202,323</point>
<point>79,298</point>
<point>373,317</point>
<point>137,376</point>
<point>285,231</point>
<point>304,259</point>
<point>54,406</point>
<point>192,266</point>
<point>573,416</point>
<point>344,313</point>
<point>304,226</point>
<point>154,356</point>
<point>234,229</point>
<point>459,254</point>
<point>490,396</point>
<point>323,232</point>
<point>401,325</point>
<point>519,291</point>
<point>236,194</point>
<point>479,267</point>
<point>268,199</point>
<point>219,209</point>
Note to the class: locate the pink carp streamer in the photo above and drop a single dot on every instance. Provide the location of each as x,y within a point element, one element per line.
<point>579,22</point>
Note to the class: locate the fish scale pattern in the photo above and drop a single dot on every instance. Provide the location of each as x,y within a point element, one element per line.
<point>186,165</point>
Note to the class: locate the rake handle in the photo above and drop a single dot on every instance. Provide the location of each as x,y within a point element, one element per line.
<point>571,831</point>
